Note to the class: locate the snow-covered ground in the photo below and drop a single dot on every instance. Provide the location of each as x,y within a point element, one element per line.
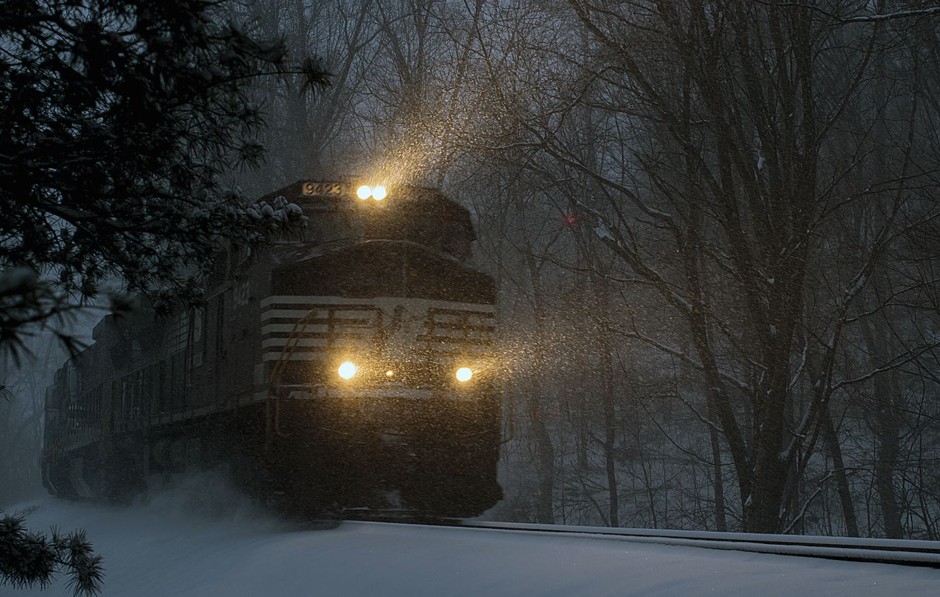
<point>184,542</point>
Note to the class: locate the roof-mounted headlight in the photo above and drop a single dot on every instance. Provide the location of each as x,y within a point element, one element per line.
<point>377,192</point>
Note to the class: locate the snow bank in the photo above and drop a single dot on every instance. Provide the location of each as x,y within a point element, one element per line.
<point>201,539</point>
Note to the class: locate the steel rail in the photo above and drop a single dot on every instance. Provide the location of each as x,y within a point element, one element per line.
<point>886,551</point>
<point>882,551</point>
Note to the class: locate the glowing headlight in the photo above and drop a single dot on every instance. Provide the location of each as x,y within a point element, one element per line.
<point>378,192</point>
<point>348,370</point>
<point>463,374</point>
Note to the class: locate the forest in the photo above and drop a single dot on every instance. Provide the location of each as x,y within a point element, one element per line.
<point>713,225</point>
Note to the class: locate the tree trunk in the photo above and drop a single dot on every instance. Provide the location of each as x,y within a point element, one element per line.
<point>887,427</point>
<point>842,481</point>
<point>721,523</point>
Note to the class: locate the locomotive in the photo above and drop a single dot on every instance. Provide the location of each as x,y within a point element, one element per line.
<point>348,365</point>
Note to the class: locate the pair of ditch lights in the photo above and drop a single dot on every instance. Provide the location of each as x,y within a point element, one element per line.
<point>349,370</point>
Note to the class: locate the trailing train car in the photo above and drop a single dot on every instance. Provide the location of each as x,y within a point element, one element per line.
<point>350,365</point>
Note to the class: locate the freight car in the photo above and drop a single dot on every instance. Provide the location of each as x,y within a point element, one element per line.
<point>348,365</point>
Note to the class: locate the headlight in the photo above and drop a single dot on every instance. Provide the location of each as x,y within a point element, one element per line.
<point>377,192</point>
<point>348,370</point>
<point>463,374</point>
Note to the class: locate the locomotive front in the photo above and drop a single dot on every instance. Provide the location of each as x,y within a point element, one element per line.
<point>377,355</point>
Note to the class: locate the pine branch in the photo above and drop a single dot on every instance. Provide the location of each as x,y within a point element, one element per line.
<point>33,559</point>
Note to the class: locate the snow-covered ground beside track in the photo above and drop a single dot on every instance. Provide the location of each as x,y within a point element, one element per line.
<point>176,545</point>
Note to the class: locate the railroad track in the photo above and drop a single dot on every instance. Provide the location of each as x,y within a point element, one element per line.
<point>885,551</point>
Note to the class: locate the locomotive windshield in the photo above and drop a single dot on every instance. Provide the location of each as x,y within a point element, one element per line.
<point>382,268</point>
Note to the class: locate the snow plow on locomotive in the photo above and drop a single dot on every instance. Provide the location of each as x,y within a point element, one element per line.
<point>351,366</point>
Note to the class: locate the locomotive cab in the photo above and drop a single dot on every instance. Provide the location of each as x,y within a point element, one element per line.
<point>334,215</point>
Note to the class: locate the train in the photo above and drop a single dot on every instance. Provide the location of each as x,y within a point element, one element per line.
<point>348,365</point>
